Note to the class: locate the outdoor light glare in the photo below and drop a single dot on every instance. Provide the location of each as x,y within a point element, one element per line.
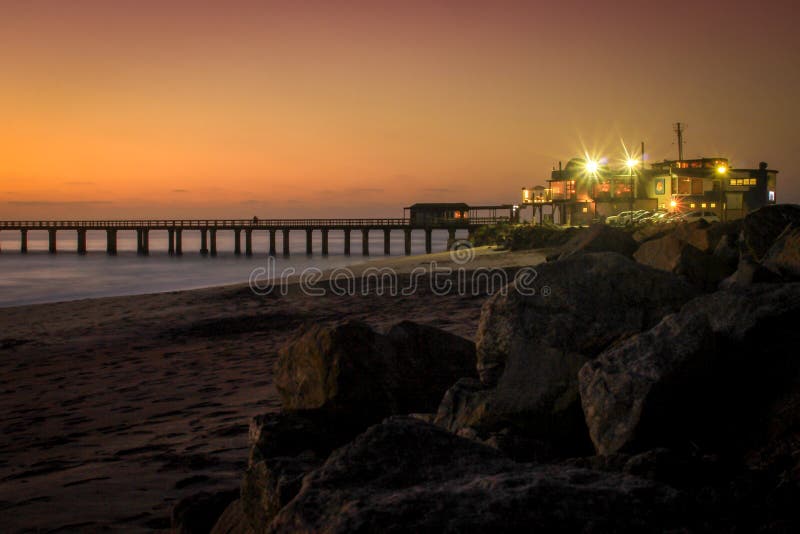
<point>722,169</point>
<point>672,204</point>
<point>632,162</point>
<point>592,166</point>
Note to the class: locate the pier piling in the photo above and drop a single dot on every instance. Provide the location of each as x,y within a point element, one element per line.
<point>237,241</point>
<point>309,235</point>
<point>346,241</point>
<point>248,242</point>
<point>111,242</point>
<point>272,250</point>
<point>203,241</point>
<point>428,240</point>
<point>286,242</point>
<point>23,241</point>
<point>387,234</point>
<point>178,242</point>
<point>51,240</point>
<point>171,242</point>
<point>213,237</point>
<point>81,241</point>
<point>407,241</point>
<point>365,241</point>
<point>324,241</point>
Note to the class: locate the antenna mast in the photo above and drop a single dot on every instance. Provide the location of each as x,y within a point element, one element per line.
<point>679,129</point>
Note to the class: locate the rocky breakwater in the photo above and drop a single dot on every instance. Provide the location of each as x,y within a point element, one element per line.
<point>626,398</point>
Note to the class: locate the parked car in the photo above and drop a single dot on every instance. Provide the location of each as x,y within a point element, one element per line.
<point>693,216</point>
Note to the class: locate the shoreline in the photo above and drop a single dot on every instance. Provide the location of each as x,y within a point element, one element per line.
<point>485,257</point>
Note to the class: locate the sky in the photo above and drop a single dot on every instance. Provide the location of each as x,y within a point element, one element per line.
<point>175,109</point>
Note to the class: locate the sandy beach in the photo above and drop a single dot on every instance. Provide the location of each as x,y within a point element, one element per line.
<point>115,408</point>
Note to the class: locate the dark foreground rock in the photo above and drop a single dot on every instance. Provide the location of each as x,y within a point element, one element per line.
<point>405,475</point>
<point>197,513</point>
<point>530,347</point>
<point>761,228</point>
<point>351,371</point>
<point>716,375</point>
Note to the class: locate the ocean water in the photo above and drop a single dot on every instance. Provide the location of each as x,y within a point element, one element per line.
<point>38,276</point>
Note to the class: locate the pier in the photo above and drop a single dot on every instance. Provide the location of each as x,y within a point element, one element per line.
<point>208,230</point>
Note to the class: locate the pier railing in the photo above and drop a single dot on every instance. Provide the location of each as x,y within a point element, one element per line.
<point>134,224</point>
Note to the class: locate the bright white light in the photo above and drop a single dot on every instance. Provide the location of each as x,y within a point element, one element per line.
<point>592,166</point>
<point>632,162</point>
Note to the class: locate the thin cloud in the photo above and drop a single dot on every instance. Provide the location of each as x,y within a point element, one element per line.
<point>58,202</point>
<point>78,183</point>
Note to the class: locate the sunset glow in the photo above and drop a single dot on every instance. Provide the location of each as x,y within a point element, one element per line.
<point>209,109</point>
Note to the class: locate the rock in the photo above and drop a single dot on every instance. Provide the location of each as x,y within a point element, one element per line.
<point>783,257</point>
<point>198,513</point>
<point>284,447</point>
<point>530,347</point>
<point>351,371</point>
<point>599,238</point>
<point>727,250</point>
<point>707,375</point>
<point>404,475</point>
<point>428,361</point>
<point>464,405</point>
<point>695,234</point>
<point>233,521</point>
<point>652,231</point>
<point>749,272</point>
<point>761,228</point>
<point>673,254</point>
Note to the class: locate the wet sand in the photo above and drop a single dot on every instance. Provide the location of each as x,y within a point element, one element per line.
<point>115,408</point>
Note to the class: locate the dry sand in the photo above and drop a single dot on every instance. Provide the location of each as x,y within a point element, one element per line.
<point>115,408</point>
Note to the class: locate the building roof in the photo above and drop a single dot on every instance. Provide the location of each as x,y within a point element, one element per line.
<point>439,206</point>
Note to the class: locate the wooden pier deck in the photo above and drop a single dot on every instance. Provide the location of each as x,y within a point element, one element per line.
<point>208,229</point>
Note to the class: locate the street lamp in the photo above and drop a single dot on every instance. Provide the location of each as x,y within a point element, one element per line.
<point>631,163</point>
<point>722,170</point>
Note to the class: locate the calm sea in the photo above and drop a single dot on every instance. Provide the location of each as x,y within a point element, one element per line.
<point>38,277</point>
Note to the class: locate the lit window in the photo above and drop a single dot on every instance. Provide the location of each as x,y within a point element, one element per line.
<point>585,210</point>
<point>691,205</point>
<point>713,204</point>
<point>662,206</point>
<point>772,196</point>
<point>703,205</point>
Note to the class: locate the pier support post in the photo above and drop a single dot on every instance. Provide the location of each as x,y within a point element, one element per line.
<point>387,246</point>
<point>237,241</point>
<point>145,242</point>
<point>451,237</point>
<point>309,234</point>
<point>111,242</point>
<point>365,241</point>
<point>204,241</point>
<point>81,241</point>
<point>407,240</point>
<point>285,241</point>
<point>428,240</point>
<point>51,240</point>
<point>23,241</point>
<point>213,237</point>
<point>248,242</point>
<point>178,242</point>
<point>347,241</point>
<point>171,242</point>
<point>272,250</point>
<point>324,241</point>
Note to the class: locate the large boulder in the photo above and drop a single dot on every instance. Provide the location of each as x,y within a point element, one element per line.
<point>598,238</point>
<point>197,514</point>
<point>531,346</point>
<point>351,371</point>
<point>284,447</point>
<point>677,255</point>
<point>761,228</point>
<point>710,376</point>
<point>405,475</point>
<point>783,257</point>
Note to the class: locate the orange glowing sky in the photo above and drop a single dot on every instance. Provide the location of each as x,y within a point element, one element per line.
<point>232,109</point>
